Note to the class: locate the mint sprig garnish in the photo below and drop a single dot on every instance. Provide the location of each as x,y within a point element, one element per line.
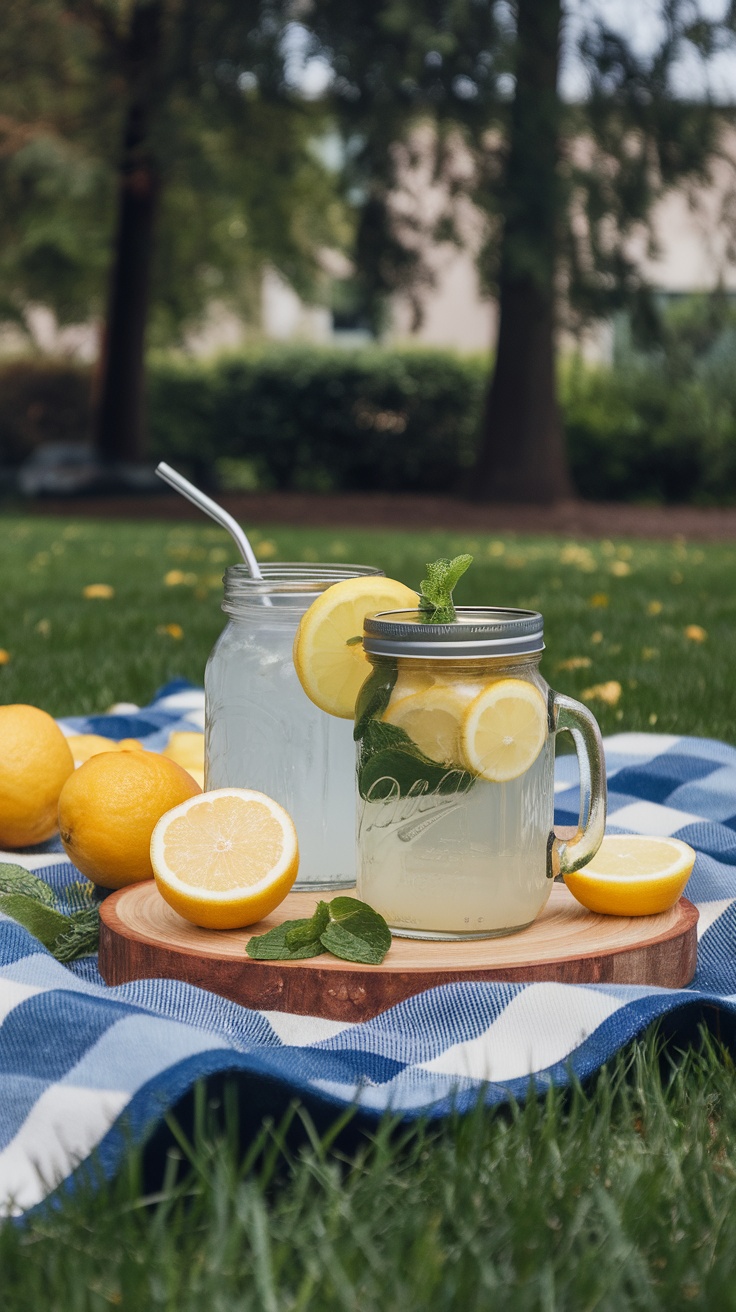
<point>436,590</point>
<point>356,932</point>
<point>28,900</point>
<point>347,927</point>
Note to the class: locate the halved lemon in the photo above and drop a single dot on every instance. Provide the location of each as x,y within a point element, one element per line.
<point>633,875</point>
<point>504,729</point>
<point>226,862</point>
<point>433,719</point>
<point>328,651</point>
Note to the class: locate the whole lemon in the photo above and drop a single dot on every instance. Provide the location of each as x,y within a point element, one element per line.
<point>109,808</point>
<point>187,749</point>
<point>35,762</point>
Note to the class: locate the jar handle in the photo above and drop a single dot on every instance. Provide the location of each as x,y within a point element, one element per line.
<point>567,854</point>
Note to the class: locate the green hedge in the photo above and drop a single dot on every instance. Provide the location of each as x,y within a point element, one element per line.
<point>655,428</point>
<point>324,420</point>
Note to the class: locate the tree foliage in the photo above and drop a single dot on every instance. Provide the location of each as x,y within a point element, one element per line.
<point>241,185</point>
<point>563,187</point>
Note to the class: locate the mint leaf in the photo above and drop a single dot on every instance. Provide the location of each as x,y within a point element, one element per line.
<point>347,927</point>
<point>390,764</point>
<point>81,938</point>
<point>16,879</point>
<point>436,590</point>
<point>356,932</point>
<point>272,945</point>
<point>41,921</point>
<point>374,697</point>
<point>306,933</point>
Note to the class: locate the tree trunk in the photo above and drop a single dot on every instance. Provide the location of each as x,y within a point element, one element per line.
<point>119,422</point>
<point>523,455</point>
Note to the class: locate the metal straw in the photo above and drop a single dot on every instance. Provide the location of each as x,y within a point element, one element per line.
<point>215,512</point>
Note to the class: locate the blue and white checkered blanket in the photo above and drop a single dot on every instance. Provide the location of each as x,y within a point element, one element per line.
<point>86,1069</point>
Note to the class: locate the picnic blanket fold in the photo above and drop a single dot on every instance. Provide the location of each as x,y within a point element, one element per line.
<point>85,1069</point>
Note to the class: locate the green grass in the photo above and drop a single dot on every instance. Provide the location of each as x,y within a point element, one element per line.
<point>620,1200</point>
<point>73,655</point>
<point>619,1196</point>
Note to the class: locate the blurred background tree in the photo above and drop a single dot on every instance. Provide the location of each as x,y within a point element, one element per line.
<point>563,186</point>
<point>153,157</point>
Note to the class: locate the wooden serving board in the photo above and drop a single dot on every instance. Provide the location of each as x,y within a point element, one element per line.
<point>141,938</point>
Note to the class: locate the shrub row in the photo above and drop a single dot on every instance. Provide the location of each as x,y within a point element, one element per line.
<point>311,419</point>
<point>320,420</point>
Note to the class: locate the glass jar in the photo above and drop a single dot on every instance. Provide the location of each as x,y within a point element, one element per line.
<point>261,729</point>
<point>456,740</point>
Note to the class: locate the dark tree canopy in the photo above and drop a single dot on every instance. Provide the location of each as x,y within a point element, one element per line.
<point>562,186</point>
<point>153,158</point>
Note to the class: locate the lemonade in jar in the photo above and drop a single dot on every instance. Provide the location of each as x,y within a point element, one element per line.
<point>455,730</point>
<point>263,733</point>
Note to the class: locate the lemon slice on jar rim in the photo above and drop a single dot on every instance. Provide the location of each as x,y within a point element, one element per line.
<point>633,875</point>
<point>225,859</point>
<point>328,649</point>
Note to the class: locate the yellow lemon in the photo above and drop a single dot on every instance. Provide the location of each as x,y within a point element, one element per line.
<point>410,681</point>
<point>186,749</point>
<point>35,763</point>
<point>108,810</point>
<point>433,719</point>
<point>85,745</point>
<point>633,875</point>
<point>328,651</point>
<point>226,858</point>
<point>504,729</point>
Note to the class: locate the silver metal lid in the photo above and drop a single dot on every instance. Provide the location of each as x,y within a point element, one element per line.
<point>478,631</point>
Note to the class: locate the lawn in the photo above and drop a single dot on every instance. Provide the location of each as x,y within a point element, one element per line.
<point>616,1196</point>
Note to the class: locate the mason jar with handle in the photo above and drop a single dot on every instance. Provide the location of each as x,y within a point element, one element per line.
<point>261,729</point>
<point>455,731</point>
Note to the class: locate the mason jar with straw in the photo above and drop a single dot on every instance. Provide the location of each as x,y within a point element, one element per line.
<point>261,730</point>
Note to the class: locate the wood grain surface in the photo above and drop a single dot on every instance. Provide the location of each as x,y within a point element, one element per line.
<point>141,937</point>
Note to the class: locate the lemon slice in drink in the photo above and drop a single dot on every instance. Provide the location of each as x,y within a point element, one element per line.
<point>504,729</point>
<point>330,663</point>
<point>633,875</point>
<point>433,719</point>
<point>226,862</point>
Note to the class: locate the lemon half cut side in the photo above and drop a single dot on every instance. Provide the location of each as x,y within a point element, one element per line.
<point>328,650</point>
<point>633,875</point>
<point>504,729</point>
<point>226,858</point>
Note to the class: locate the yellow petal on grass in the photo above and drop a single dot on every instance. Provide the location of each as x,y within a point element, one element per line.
<point>695,633</point>
<point>649,653</point>
<point>596,637</point>
<point>575,663</point>
<point>98,592</point>
<point>609,692</point>
<point>599,600</point>
<point>44,628</point>
<point>654,608</point>
<point>175,577</point>
<point>266,550</point>
<point>620,568</point>
<point>170,630</point>
<point>4,656</point>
